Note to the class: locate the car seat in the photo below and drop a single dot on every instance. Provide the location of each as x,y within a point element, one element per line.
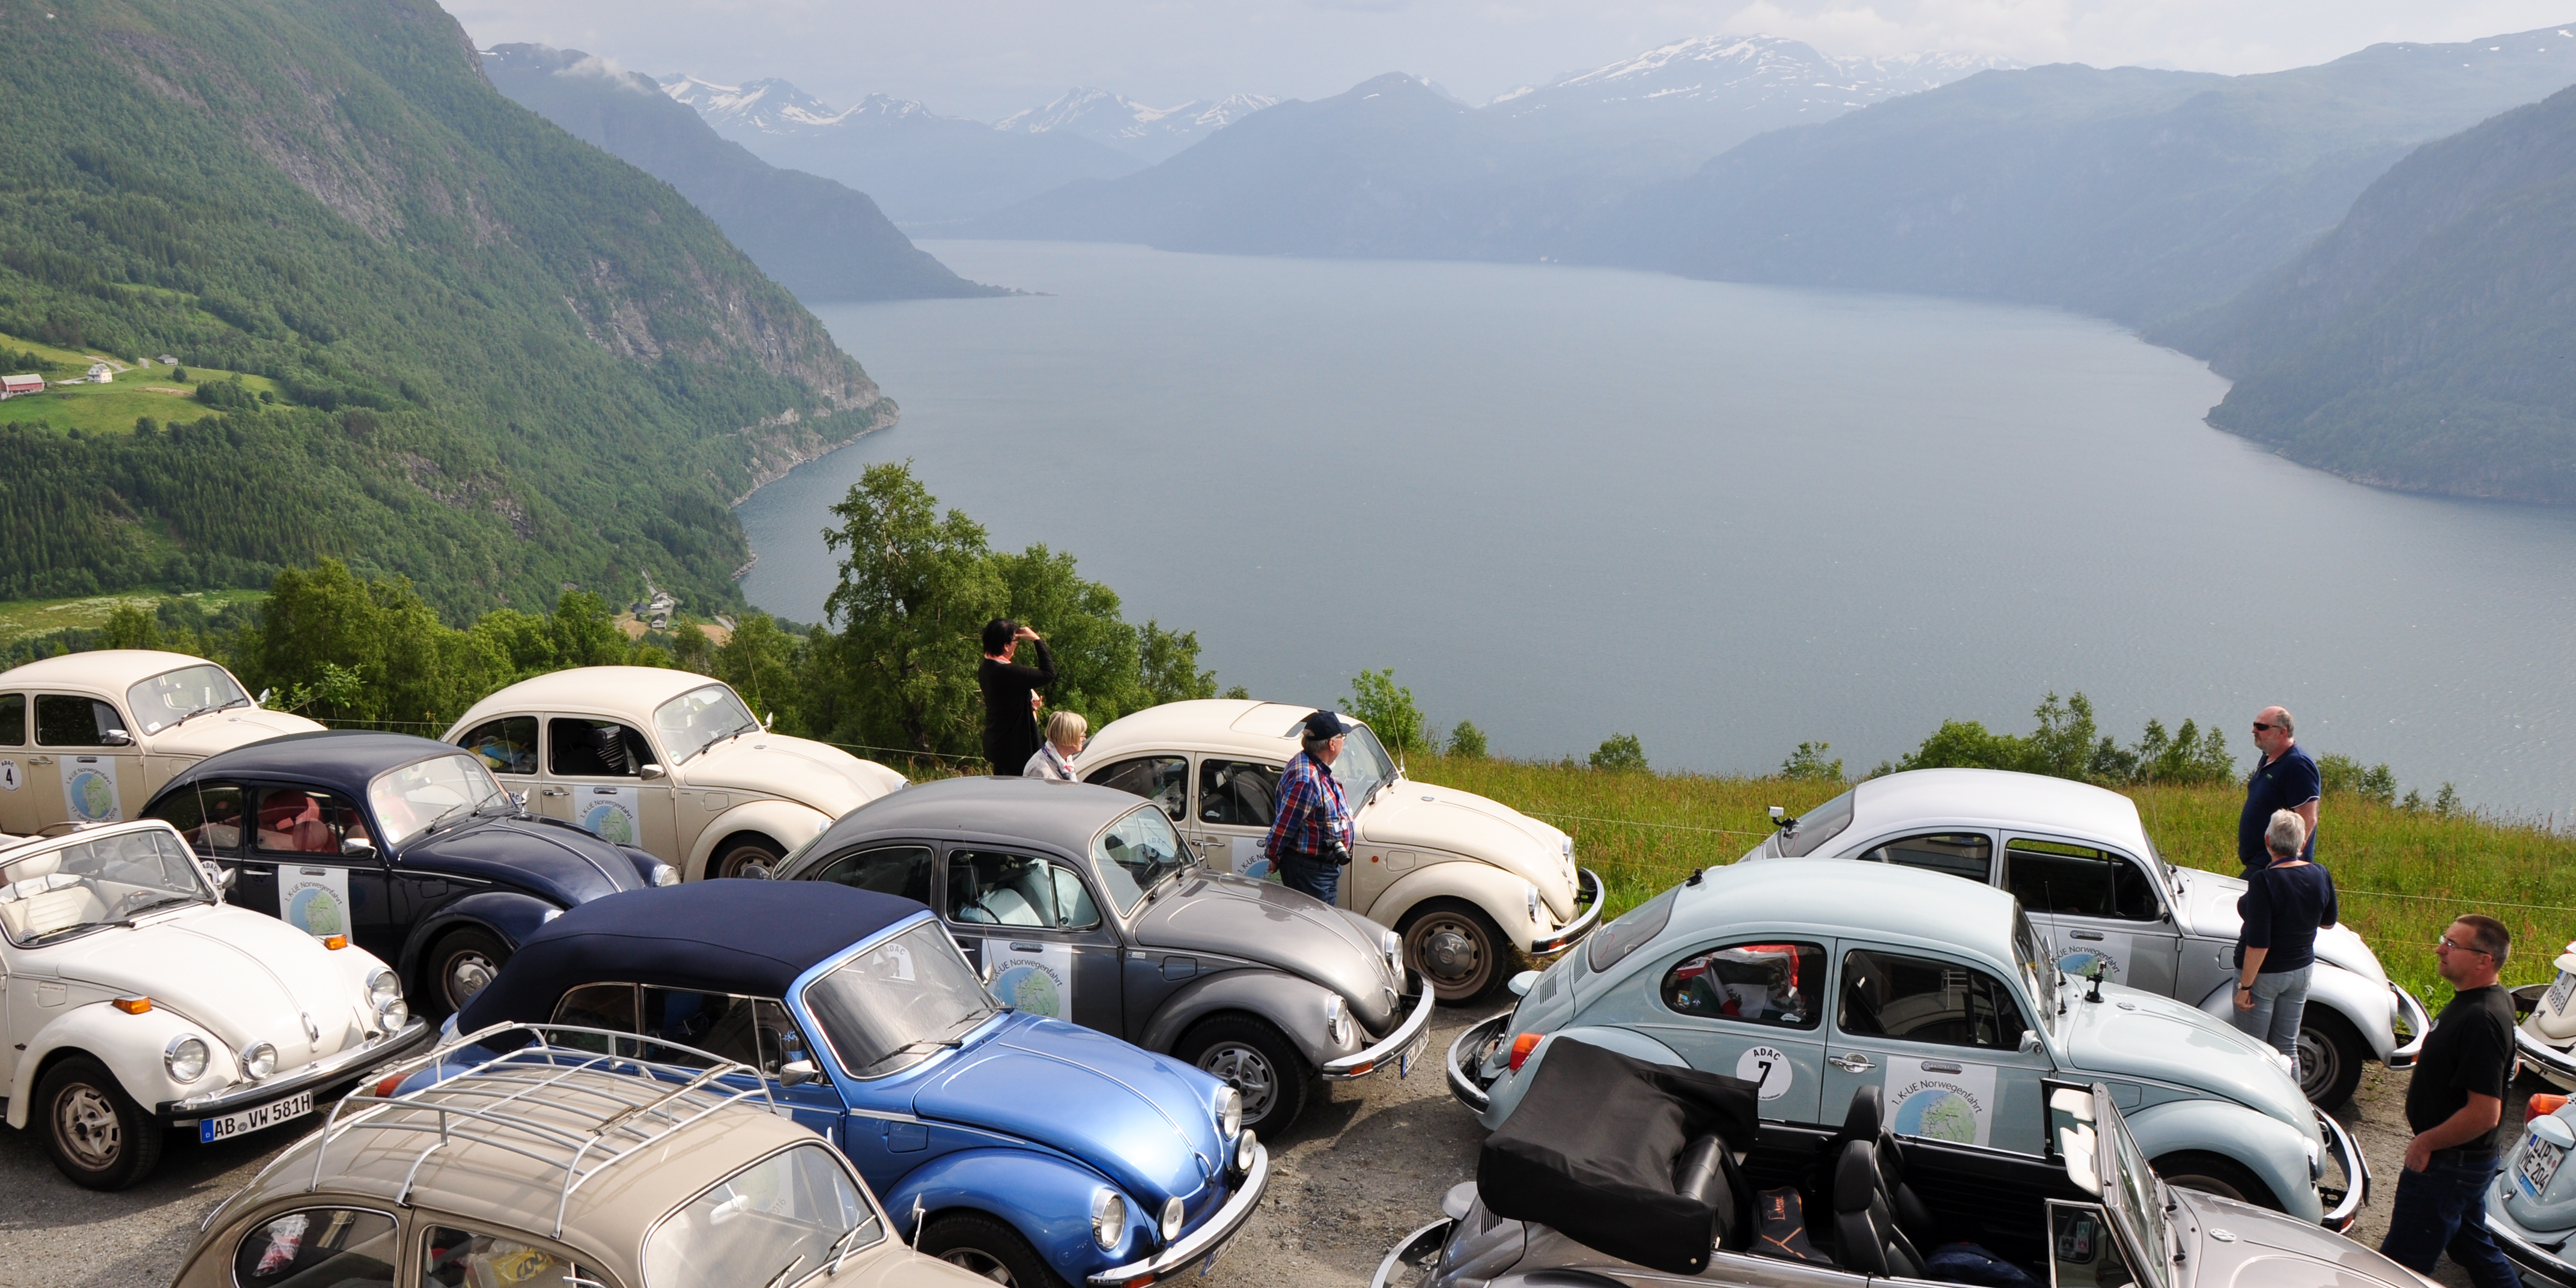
<point>44,898</point>
<point>1708,1172</point>
<point>1866,1122</point>
<point>1865,1221</point>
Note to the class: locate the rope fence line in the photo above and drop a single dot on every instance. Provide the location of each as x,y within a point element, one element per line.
<point>1631,822</point>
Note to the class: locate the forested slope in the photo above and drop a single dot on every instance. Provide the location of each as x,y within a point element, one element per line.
<point>510,361</point>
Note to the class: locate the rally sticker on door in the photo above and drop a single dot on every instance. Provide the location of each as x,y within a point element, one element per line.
<point>1768,1066</point>
<point>1033,977</point>
<point>609,813</point>
<point>314,900</point>
<point>1939,1100</point>
<point>9,778</point>
<point>2078,957</point>
<point>89,789</point>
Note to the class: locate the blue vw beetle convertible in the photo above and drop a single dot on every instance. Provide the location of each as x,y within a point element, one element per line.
<point>1026,1149</point>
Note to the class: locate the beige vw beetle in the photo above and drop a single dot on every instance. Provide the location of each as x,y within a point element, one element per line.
<point>1469,883</point>
<point>670,762</point>
<point>88,737</point>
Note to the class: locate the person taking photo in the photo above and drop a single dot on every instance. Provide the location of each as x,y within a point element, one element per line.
<point>1010,696</point>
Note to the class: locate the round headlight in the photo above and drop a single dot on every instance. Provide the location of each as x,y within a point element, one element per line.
<point>1244,1150</point>
<point>1171,1218</point>
<point>396,1015</point>
<point>1336,1023</point>
<point>185,1058</point>
<point>258,1060</point>
<point>1108,1218</point>
<point>666,875</point>
<point>1229,1112</point>
<point>384,991</point>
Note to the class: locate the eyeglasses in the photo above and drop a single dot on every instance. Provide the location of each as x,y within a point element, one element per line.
<point>2260,727</point>
<point>2445,942</point>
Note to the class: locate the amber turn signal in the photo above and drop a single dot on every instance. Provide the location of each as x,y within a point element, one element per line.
<point>335,942</point>
<point>132,1005</point>
<point>2543,1105</point>
<point>1521,1047</point>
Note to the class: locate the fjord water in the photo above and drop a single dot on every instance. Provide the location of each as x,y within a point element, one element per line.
<point>1565,503</point>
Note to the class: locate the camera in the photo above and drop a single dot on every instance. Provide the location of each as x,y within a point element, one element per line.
<point>1334,852</point>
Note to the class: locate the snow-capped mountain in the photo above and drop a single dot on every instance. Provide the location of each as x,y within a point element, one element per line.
<point>773,106</point>
<point>1736,74</point>
<point>1149,132</point>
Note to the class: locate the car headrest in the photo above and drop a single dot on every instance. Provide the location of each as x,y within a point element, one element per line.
<point>1856,1177</point>
<point>1698,1173</point>
<point>1862,1122</point>
<point>42,865</point>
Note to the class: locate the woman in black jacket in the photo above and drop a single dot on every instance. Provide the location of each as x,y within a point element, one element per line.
<point>1010,714</point>
<point>2284,905</point>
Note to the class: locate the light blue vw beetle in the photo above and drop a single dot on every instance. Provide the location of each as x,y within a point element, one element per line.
<point>1815,978</point>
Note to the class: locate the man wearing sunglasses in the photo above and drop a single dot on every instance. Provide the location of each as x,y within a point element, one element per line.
<point>2285,779</point>
<point>2454,1102</point>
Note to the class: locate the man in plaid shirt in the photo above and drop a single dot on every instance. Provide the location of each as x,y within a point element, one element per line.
<point>1309,811</point>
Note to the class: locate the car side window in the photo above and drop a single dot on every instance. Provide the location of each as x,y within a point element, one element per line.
<point>990,888</point>
<point>13,720</point>
<point>598,1006</point>
<point>1237,792</point>
<point>1164,780</point>
<point>293,820</point>
<point>902,870</point>
<point>317,1246</point>
<point>465,1259</point>
<point>1918,999</point>
<point>577,748</point>
<point>2078,881</point>
<point>1759,983</point>
<point>507,745</point>
<point>69,720</point>
<point>209,815</point>
<point>1959,854</point>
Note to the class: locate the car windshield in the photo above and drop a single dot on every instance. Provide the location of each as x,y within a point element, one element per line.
<point>173,696</point>
<point>698,717</point>
<point>63,892</point>
<point>411,800</point>
<point>774,1224</point>
<point>2038,968</point>
<point>1134,853</point>
<point>2130,1187</point>
<point>1817,826</point>
<point>896,1004</point>
<point>1363,765</point>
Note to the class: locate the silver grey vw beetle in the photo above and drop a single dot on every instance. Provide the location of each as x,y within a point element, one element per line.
<point>1081,902</point>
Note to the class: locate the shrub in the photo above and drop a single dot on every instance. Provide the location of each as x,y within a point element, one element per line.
<point>2345,776</point>
<point>1620,753</point>
<point>1808,764</point>
<point>1389,711</point>
<point>1467,742</point>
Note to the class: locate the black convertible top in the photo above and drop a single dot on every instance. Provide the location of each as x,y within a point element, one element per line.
<point>1593,1145</point>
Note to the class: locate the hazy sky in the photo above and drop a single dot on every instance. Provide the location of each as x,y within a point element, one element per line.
<point>985,58</point>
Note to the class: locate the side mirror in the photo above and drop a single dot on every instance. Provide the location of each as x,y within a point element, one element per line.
<point>650,772</point>
<point>117,738</point>
<point>768,720</point>
<point>262,699</point>
<point>357,845</point>
<point>2030,1042</point>
<point>796,1073</point>
<point>520,799</point>
<point>218,876</point>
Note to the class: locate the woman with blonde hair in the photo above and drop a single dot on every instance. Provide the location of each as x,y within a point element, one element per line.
<point>1066,731</point>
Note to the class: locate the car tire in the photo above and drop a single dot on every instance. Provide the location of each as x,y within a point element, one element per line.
<point>746,856</point>
<point>1455,946</point>
<point>98,1135</point>
<point>2213,1174</point>
<point>449,970</point>
<point>1252,1056</point>
<point>2331,1054</point>
<point>983,1245</point>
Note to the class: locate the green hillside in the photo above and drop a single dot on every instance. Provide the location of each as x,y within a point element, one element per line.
<point>501,359</point>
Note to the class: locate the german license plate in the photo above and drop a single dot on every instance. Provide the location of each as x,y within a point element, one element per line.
<point>2558,992</point>
<point>1404,1059</point>
<point>240,1122</point>
<point>2540,1161</point>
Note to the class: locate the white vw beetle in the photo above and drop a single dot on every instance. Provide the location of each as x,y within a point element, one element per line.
<point>137,1002</point>
<point>88,737</point>
<point>670,762</point>
<point>1469,883</point>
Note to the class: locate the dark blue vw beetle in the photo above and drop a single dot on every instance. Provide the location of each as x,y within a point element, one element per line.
<point>406,845</point>
<point>1029,1150</point>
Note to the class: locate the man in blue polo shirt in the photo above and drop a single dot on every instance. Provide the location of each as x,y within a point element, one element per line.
<point>2284,779</point>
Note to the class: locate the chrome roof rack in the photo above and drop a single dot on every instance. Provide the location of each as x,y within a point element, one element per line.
<point>558,1104</point>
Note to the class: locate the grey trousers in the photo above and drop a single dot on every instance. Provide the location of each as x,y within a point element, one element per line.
<point>2280,999</point>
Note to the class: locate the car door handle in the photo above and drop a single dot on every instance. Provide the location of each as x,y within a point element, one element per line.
<point>2093,935</point>
<point>554,791</point>
<point>40,760</point>
<point>1940,1066</point>
<point>1850,1063</point>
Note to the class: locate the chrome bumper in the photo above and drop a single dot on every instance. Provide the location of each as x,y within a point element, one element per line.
<point>1410,1254</point>
<point>1462,1079</point>
<point>1203,1241</point>
<point>2417,1023</point>
<point>2534,1261</point>
<point>1583,922</point>
<point>2556,1065</point>
<point>2356,1169</point>
<point>1406,1036</point>
<point>334,1068</point>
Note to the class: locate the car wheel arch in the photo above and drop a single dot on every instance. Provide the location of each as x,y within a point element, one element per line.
<point>507,915</point>
<point>1274,997</point>
<point>129,1046</point>
<point>784,823</point>
<point>1022,1187</point>
<point>2272,1150</point>
<point>1495,890</point>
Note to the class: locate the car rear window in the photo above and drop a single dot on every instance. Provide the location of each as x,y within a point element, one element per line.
<point>1615,941</point>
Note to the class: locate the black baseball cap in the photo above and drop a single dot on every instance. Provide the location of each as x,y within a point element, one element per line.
<point>1326,724</point>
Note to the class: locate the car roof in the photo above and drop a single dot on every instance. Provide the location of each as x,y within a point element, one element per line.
<point>746,937</point>
<point>1995,798</point>
<point>1244,727</point>
<point>343,759</point>
<point>606,688</point>
<point>1838,897</point>
<point>1062,815</point>
<point>110,669</point>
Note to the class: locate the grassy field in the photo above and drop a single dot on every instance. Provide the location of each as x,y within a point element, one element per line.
<point>25,617</point>
<point>2401,875</point>
<point>112,408</point>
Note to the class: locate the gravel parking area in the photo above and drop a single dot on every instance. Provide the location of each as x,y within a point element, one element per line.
<point>1359,1171</point>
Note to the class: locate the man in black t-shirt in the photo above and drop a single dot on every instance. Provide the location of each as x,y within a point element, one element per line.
<point>2453,1103</point>
<point>2284,779</point>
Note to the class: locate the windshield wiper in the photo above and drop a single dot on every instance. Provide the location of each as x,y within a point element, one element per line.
<point>784,1271</point>
<point>833,1253</point>
<point>450,812</point>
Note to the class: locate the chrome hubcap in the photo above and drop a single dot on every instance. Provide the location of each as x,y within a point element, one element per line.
<point>979,1262</point>
<point>750,864</point>
<point>467,973</point>
<point>86,1124</point>
<point>2319,1063</point>
<point>1248,1073</point>
<point>1447,951</point>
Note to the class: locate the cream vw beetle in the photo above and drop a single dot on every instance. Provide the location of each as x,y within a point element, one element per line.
<point>1469,883</point>
<point>88,737</point>
<point>666,761</point>
<point>137,1001</point>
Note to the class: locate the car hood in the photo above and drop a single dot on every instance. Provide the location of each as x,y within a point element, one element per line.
<point>1407,813</point>
<point>225,730</point>
<point>242,976</point>
<point>822,778</point>
<point>1146,1121</point>
<point>2272,1250</point>
<point>2134,1034</point>
<point>2209,907</point>
<point>1229,916</point>
<point>545,857</point>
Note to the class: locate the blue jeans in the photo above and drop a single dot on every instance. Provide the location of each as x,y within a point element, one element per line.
<point>2444,1209</point>
<point>1309,874</point>
<point>2280,999</point>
